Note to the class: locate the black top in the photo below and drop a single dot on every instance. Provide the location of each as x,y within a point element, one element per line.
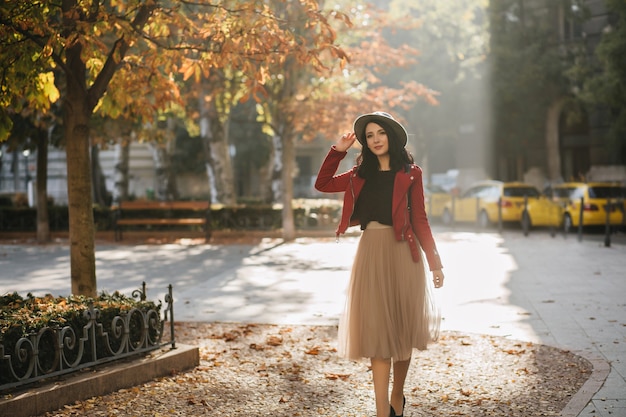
<point>374,202</point>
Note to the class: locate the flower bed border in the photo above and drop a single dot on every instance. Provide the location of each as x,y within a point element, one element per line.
<point>54,350</point>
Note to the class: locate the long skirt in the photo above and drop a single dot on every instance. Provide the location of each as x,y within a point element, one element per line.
<point>390,307</point>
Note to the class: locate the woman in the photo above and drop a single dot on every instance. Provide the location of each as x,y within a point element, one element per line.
<point>389,309</point>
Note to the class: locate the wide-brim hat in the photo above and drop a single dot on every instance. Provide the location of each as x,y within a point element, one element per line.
<point>378,116</point>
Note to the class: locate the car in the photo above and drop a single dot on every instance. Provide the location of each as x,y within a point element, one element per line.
<point>435,199</point>
<point>596,198</point>
<point>486,202</point>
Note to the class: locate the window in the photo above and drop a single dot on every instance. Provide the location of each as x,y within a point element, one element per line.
<point>521,192</point>
<point>605,192</point>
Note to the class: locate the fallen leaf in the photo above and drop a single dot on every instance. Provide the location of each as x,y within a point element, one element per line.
<point>274,340</point>
<point>331,376</point>
<point>313,351</point>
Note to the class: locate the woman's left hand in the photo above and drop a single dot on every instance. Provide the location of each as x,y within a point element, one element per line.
<point>438,278</point>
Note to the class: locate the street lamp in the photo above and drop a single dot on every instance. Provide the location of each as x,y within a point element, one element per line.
<point>26,153</point>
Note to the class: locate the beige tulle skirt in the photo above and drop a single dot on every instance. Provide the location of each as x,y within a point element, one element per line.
<point>390,307</point>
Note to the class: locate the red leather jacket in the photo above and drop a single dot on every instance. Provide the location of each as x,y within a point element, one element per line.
<point>351,184</point>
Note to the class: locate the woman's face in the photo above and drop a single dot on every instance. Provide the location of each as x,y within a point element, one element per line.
<point>376,139</point>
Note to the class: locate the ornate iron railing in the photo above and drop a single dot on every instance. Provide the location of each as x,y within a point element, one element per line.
<point>55,351</point>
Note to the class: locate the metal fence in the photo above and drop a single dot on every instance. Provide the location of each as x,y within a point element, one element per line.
<point>55,351</point>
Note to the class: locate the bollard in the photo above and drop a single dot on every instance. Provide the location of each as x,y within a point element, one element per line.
<point>525,217</point>
<point>554,209</point>
<point>607,224</point>
<point>580,219</point>
<point>564,224</point>
<point>500,214</point>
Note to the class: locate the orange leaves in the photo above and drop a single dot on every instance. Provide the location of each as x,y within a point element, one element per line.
<point>263,75</point>
<point>194,401</point>
<point>339,53</point>
<point>255,346</point>
<point>515,351</point>
<point>235,333</point>
<point>313,351</point>
<point>193,68</point>
<point>342,17</point>
<point>254,91</point>
<point>274,340</point>
<point>333,376</point>
<point>230,336</point>
<point>284,380</point>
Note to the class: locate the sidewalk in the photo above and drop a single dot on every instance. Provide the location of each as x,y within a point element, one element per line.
<point>555,291</point>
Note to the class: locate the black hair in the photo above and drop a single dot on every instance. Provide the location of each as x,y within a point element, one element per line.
<point>399,157</point>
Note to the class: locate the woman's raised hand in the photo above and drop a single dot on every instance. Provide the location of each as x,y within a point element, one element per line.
<point>345,141</point>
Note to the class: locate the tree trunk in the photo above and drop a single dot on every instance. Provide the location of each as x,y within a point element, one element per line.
<point>101,195</point>
<point>208,164</point>
<point>214,134</point>
<point>276,171</point>
<point>80,101</point>
<point>267,181</point>
<point>82,233</point>
<point>15,165</point>
<point>289,162</point>
<point>77,111</point>
<point>43,222</point>
<point>120,175</point>
<point>166,189</point>
<point>552,139</point>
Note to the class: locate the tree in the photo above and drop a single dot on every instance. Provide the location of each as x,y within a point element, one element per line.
<point>27,93</point>
<point>33,131</point>
<point>122,57</point>
<point>529,61</point>
<point>211,100</point>
<point>328,105</point>
<point>603,79</point>
<point>322,103</point>
<point>452,40</point>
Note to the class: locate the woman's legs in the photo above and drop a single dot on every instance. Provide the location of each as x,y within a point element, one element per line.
<point>381,369</point>
<point>400,370</point>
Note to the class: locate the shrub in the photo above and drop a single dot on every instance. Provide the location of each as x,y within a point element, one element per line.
<point>21,317</point>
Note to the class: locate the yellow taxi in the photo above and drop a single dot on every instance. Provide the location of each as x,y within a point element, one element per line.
<point>484,202</point>
<point>435,199</point>
<point>598,200</point>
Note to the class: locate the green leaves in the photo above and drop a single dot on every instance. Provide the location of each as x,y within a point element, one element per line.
<point>5,125</point>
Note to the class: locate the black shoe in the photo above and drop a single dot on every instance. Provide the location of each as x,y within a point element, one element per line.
<point>392,413</point>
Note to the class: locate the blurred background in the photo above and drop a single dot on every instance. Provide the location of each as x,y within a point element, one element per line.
<point>509,90</point>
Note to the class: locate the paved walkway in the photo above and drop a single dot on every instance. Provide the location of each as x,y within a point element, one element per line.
<point>550,290</point>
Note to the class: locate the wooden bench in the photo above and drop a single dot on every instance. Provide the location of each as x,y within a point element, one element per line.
<point>162,213</point>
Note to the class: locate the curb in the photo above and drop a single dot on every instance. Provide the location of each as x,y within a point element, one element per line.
<point>54,395</point>
<point>579,401</point>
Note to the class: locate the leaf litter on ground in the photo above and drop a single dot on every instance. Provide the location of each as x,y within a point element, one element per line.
<point>262,370</point>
